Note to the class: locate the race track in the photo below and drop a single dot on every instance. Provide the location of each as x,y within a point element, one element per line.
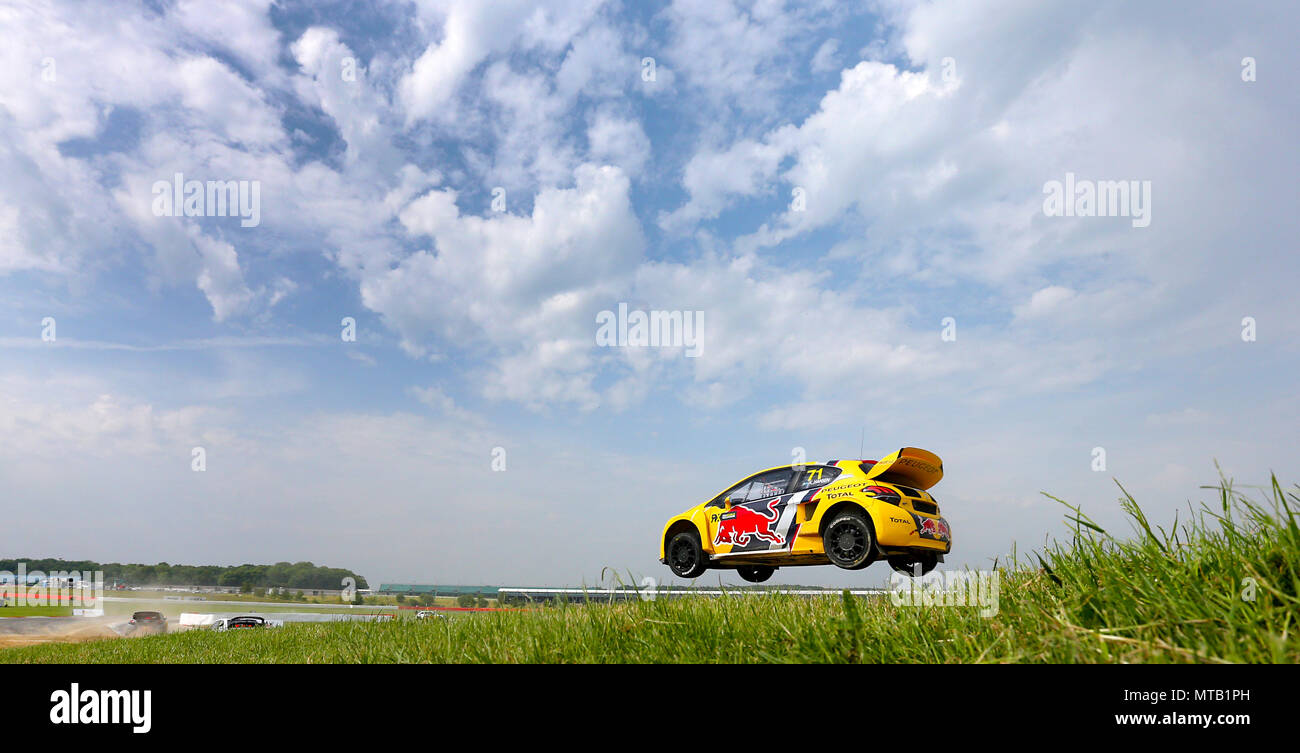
<point>29,631</point>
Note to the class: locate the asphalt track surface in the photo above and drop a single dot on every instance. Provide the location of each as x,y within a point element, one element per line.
<point>30,631</point>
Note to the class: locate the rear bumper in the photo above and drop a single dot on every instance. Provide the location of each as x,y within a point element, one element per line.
<point>903,529</point>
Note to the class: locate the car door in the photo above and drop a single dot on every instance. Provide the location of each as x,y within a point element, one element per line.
<point>719,506</point>
<point>757,519</point>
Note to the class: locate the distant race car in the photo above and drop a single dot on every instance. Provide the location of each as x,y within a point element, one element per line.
<point>424,614</point>
<point>242,622</point>
<point>147,623</point>
<point>848,513</point>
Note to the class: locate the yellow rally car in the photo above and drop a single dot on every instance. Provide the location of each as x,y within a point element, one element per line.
<point>848,513</point>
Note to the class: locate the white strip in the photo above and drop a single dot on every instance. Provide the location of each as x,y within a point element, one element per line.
<point>691,592</point>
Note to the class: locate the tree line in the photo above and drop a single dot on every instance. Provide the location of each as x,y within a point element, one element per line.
<point>279,575</point>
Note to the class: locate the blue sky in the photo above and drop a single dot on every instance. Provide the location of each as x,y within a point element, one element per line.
<point>917,137</point>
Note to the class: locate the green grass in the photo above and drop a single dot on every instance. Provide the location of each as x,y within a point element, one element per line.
<point>35,611</point>
<point>1220,586</point>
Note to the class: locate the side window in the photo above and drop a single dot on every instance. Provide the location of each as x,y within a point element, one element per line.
<point>771,484</point>
<point>738,492</point>
<point>819,475</point>
<point>735,493</point>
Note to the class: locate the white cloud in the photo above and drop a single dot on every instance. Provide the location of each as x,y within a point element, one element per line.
<point>874,121</point>
<point>471,32</point>
<point>445,407</point>
<point>618,141</point>
<point>1044,302</point>
<point>714,179</point>
<point>220,278</point>
<point>824,60</point>
<point>736,54</point>
<point>524,284</point>
<point>362,114</point>
<point>529,125</point>
<point>944,176</point>
<point>227,106</point>
<point>56,417</point>
<point>240,27</point>
<point>596,65</point>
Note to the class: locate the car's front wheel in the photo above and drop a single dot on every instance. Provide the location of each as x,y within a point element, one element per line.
<point>909,565</point>
<point>849,540</point>
<point>685,556</point>
<point>755,573</point>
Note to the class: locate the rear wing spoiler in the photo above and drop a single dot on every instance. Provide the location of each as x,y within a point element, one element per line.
<point>910,466</point>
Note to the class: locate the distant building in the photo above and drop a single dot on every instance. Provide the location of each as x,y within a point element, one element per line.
<point>410,589</point>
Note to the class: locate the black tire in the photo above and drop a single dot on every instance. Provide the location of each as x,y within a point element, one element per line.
<point>684,556</point>
<point>907,565</point>
<point>849,541</point>
<point>755,573</point>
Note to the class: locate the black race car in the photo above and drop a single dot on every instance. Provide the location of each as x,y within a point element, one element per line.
<point>147,623</point>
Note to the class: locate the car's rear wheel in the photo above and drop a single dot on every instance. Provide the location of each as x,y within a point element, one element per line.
<point>685,556</point>
<point>907,565</point>
<point>755,573</point>
<point>849,541</point>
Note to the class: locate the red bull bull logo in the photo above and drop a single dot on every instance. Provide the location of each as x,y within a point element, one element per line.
<point>740,524</point>
<point>934,528</point>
